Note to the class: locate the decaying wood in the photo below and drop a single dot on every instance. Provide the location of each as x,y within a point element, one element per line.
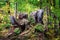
<point>28,32</point>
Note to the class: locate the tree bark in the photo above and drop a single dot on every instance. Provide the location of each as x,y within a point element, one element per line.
<point>8,3</point>
<point>40,4</point>
<point>54,3</point>
<point>15,14</point>
<point>59,3</point>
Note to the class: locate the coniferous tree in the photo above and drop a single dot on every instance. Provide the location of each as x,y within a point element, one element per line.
<point>59,3</point>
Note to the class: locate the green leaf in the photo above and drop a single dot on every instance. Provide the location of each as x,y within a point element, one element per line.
<point>17,31</point>
<point>39,27</point>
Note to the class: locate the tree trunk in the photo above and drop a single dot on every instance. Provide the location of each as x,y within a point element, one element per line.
<point>40,4</point>
<point>54,3</point>
<point>47,1</point>
<point>8,3</point>
<point>15,14</point>
<point>59,3</point>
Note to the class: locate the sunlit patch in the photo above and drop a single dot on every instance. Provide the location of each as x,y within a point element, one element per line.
<point>51,7</point>
<point>38,0</point>
<point>4,22</point>
<point>9,15</point>
<point>1,16</point>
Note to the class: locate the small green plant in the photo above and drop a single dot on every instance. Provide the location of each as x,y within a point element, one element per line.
<point>17,31</point>
<point>32,21</point>
<point>7,25</point>
<point>39,27</point>
<point>3,26</point>
<point>50,27</point>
